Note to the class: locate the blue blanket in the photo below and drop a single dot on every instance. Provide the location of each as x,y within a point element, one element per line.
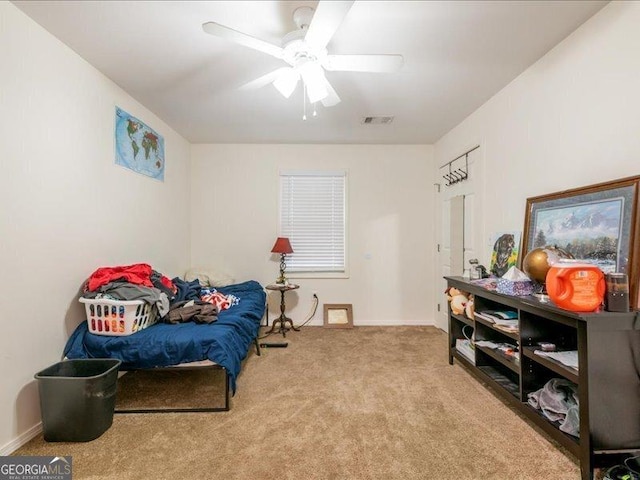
<point>225,342</point>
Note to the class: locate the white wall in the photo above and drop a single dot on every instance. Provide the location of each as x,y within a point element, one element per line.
<point>66,207</point>
<point>235,194</point>
<point>570,120</point>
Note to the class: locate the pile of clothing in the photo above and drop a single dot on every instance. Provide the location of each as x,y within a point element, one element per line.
<point>195,302</point>
<point>558,401</point>
<point>176,300</point>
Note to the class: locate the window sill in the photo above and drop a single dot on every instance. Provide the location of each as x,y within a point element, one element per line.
<point>334,275</point>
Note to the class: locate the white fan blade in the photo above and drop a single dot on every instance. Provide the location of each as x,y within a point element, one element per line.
<point>264,80</point>
<point>332,97</point>
<point>326,20</point>
<point>363,63</point>
<point>221,31</point>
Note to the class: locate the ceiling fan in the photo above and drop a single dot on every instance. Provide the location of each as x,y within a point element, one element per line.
<point>304,50</point>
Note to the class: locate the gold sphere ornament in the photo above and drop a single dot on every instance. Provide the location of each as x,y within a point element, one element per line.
<point>537,262</point>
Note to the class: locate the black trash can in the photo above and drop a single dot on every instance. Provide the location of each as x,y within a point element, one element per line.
<point>77,399</point>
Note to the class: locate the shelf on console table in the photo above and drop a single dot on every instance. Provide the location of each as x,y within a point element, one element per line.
<point>499,380</point>
<point>569,441</point>
<point>486,323</point>
<point>512,363</point>
<point>554,365</point>
<point>607,382</point>
<point>463,319</point>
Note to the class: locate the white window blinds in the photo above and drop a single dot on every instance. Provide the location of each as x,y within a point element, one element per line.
<point>312,216</point>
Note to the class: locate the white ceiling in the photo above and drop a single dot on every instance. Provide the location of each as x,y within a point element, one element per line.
<point>457,55</point>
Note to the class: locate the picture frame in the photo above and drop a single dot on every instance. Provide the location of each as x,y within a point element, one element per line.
<point>338,315</point>
<point>505,252</point>
<point>597,224</point>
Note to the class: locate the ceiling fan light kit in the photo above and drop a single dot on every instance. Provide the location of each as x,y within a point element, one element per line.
<point>304,50</point>
<point>314,79</point>
<point>286,82</point>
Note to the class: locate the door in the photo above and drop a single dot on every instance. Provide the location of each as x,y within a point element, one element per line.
<point>455,233</point>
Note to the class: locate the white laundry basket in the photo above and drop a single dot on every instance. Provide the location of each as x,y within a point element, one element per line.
<point>118,317</point>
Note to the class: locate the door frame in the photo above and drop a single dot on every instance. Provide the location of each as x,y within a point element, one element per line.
<point>473,244</point>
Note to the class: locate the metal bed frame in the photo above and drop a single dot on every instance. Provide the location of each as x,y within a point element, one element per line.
<point>203,364</point>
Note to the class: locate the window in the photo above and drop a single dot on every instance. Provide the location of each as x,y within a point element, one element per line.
<point>313,217</point>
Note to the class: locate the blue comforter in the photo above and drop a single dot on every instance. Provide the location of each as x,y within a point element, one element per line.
<point>225,342</point>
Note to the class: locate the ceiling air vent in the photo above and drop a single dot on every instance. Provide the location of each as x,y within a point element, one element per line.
<point>376,120</point>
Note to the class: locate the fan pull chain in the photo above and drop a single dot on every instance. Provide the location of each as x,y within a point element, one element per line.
<point>304,101</point>
<point>315,114</point>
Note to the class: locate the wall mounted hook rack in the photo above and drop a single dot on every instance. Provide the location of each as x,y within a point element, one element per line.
<point>459,174</point>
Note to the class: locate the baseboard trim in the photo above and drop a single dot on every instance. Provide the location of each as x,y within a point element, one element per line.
<point>22,439</point>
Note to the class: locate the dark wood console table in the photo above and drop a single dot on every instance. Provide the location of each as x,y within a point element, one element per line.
<point>608,378</point>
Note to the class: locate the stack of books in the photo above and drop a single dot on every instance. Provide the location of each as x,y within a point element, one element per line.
<point>506,320</point>
<point>465,347</point>
<point>567,357</point>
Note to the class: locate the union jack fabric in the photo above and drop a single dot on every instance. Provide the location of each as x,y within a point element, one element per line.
<point>223,302</point>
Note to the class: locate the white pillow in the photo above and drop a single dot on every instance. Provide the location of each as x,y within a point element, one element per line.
<point>209,277</point>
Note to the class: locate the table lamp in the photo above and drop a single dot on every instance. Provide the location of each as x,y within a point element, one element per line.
<point>282,246</point>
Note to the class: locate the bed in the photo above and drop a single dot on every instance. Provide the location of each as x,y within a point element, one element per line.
<point>222,344</point>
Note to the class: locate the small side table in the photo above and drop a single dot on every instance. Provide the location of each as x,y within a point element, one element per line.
<point>282,319</point>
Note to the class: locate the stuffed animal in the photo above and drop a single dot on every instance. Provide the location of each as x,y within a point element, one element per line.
<point>458,300</point>
<point>469,310</point>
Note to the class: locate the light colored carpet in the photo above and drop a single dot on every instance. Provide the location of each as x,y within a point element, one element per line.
<point>365,403</point>
<point>166,389</point>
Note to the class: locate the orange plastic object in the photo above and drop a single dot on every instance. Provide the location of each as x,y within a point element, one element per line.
<point>578,287</point>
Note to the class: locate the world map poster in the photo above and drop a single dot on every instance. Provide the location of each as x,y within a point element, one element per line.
<point>138,146</point>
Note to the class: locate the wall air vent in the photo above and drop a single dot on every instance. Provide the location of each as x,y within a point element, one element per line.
<point>376,120</point>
